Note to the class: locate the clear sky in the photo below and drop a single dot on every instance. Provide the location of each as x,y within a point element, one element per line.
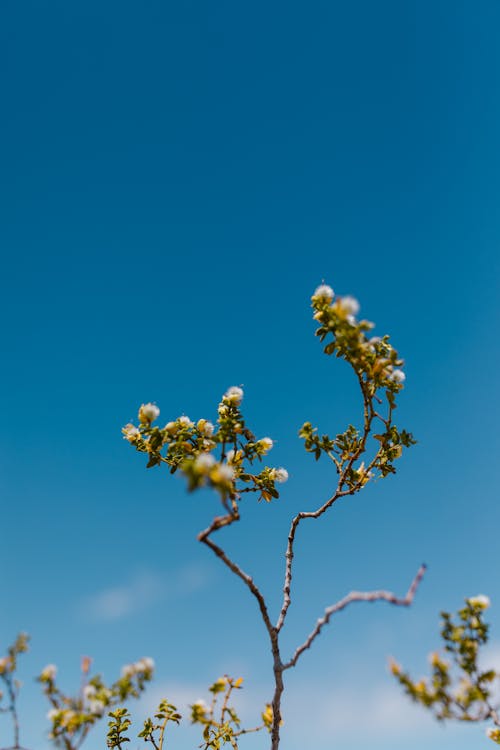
<point>176,179</point>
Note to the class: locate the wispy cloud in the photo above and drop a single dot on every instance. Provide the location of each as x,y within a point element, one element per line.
<point>144,589</point>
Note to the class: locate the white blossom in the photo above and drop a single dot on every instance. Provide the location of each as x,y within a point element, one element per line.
<point>233,396</point>
<point>226,472</point>
<point>53,714</point>
<point>323,293</point>
<point>398,376</point>
<point>148,412</point>
<point>234,457</point>
<point>131,433</point>
<point>201,704</point>
<point>280,475</point>
<point>481,601</point>
<point>97,707</point>
<point>348,305</point>
<point>185,422</point>
<point>89,691</point>
<point>265,444</point>
<point>204,461</point>
<point>206,428</point>
<point>49,672</point>
<point>128,670</point>
<point>149,663</point>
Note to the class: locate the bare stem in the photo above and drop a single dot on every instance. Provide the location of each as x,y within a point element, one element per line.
<point>368,417</point>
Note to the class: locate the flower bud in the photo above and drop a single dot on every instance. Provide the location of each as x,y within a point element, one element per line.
<point>205,427</point>
<point>279,475</point>
<point>323,294</point>
<point>131,433</point>
<point>148,413</point>
<point>49,672</point>
<point>264,445</point>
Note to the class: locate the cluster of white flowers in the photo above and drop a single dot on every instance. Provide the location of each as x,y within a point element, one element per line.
<point>233,396</point>
<point>481,601</point>
<point>148,413</point>
<point>143,666</point>
<point>96,704</point>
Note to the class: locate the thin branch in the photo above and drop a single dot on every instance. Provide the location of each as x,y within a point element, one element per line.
<point>369,414</point>
<point>357,596</point>
<point>204,536</point>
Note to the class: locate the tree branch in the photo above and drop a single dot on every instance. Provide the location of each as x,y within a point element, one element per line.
<point>204,536</point>
<point>357,596</point>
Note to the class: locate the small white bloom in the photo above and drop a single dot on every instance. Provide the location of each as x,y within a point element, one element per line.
<point>131,433</point>
<point>89,691</point>
<point>185,422</point>
<point>97,707</point>
<point>49,672</point>
<point>148,413</point>
<point>53,714</point>
<point>280,475</point>
<point>148,663</point>
<point>398,376</point>
<point>128,670</point>
<point>204,462</point>
<point>481,601</point>
<point>67,716</point>
<point>265,444</point>
<point>323,293</point>
<point>233,396</point>
<point>222,409</point>
<point>226,472</point>
<point>201,704</point>
<point>206,428</point>
<point>233,457</point>
<point>348,305</point>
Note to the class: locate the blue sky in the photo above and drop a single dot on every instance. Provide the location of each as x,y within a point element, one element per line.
<point>175,180</point>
